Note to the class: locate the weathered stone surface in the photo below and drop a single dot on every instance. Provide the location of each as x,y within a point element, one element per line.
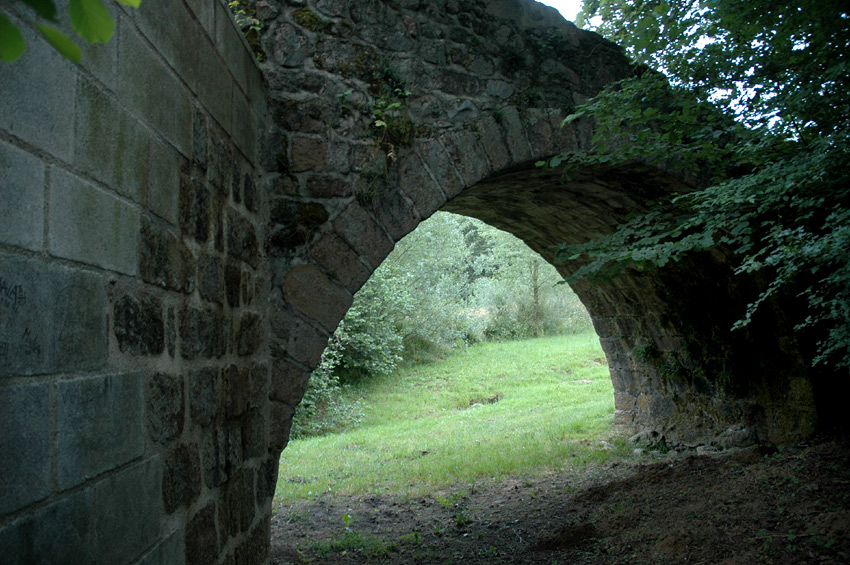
<point>214,458</point>
<point>238,388</point>
<point>181,477</point>
<point>121,533</point>
<point>241,238</point>
<point>280,425</point>
<point>172,551</point>
<point>468,156</point>
<point>165,407</point>
<point>356,227</point>
<point>22,194</point>
<point>234,458</point>
<point>109,141</point>
<point>251,195</point>
<point>328,187</point>
<point>255,549</point>
<point>303,284</point>
<point>250,287</point>
<point>23,111</point>
<point>89,225</point>
<point>249,336</point>
<point>309,154</point>
<point>165,261</point>
<point>202,537</point>
<point>341,262</point>
<point>232,282</point>
<point>139,65</point>
<point>163,190</point>
<point>171,333</point>
<point>236,510</point>
<point>211,278</point>
<point>299,339</point>
<point>254,440</point>
<point>194,208</point>
<point>100,425</point>
<point>296,221</point>
<point>62,532</point>
<point>203,333</point>
<point>267,480</point>
<point>259,385</point>
<point>139,325</point>
<point>24,446</point>
<point>219,159</point>
<point>396,214</point>
<point>204,403</point>
<point>51,318</point>
<point>417,184</point>
<point>288,382</point>
<point>291,46</point>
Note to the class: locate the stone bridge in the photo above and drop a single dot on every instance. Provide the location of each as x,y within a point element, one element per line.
<point>182,230</point>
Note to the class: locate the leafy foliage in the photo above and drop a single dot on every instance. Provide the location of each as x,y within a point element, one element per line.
<point>757,109</point>
<point>89,18</point>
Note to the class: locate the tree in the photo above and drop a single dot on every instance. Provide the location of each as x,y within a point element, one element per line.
<point>756,103</point>
<point>89,19</point>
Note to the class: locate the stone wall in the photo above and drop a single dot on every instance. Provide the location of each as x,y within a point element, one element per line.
<point>133,293</point>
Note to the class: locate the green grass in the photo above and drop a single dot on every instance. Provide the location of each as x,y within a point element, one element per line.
<point>495,409</point>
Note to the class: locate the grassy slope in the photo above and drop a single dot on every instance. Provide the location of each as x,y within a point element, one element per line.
<point>544,403</point>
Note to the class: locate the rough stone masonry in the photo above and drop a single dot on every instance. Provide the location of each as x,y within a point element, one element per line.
<point>182,229</point>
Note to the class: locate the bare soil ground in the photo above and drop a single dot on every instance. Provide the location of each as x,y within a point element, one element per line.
<point>754,505</point>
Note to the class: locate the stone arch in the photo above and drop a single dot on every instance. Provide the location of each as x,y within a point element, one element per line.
<point>489,83</point>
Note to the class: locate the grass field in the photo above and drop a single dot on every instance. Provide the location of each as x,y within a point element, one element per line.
<point>495,409</point>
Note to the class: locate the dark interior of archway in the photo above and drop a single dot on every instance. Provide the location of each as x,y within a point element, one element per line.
<point>676,366</point>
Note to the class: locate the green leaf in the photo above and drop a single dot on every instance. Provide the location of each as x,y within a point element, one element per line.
<point>12,43</point>
<point>61,43</point>
<point>131,3</point>
<point>91,20</point>
<point>44,8</point>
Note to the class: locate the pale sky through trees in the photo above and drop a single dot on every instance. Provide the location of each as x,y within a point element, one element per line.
<point>568,8</point>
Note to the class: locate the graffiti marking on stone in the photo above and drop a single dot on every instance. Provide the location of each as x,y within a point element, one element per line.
<point>29,344</point>
<point>12,296</point>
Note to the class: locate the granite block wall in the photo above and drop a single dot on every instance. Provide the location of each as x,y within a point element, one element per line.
<point>134,368</point>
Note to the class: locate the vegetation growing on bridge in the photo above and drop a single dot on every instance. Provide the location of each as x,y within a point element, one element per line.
<point>758,108</point>
<point>89,19</point>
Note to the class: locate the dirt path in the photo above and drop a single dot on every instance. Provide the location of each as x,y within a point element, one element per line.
<point>739,507</point>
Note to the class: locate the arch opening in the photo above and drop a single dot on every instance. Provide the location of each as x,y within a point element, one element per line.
<point>574,358</point>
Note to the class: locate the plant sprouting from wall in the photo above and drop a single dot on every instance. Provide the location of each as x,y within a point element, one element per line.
<point>391,123</point>
<point>89,19</point>
<point>251,26</point>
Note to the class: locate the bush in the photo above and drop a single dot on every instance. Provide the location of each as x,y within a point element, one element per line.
<point>327,406</point>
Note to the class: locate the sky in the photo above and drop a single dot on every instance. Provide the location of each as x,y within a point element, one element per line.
<point>568,8</point>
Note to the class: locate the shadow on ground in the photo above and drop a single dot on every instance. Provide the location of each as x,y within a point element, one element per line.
<point>736,507</point>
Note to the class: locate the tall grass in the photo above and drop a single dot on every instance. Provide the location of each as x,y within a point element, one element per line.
<point>492,410</point>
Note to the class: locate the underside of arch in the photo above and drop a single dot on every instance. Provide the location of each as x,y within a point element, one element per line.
<point>678,369</point>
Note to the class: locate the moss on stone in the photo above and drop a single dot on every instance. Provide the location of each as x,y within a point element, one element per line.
<point>312,21</point>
